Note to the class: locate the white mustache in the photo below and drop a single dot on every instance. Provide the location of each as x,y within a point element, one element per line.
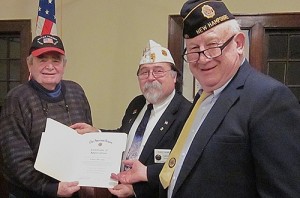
<point>152,85</point>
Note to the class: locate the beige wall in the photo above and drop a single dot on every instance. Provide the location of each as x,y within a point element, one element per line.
<point>104,40</point>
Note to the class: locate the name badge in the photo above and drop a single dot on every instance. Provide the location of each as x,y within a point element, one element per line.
<point>161,155</point>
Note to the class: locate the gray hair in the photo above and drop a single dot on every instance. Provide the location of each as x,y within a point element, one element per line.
<point>236,28</point>
<point>232,26</point>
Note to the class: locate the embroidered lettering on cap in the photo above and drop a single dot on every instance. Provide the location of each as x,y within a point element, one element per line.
<point>47,40</point>
<point>201,29</point>
<point>217,20</point>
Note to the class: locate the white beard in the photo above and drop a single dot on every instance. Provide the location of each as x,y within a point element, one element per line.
<point>152,92</point>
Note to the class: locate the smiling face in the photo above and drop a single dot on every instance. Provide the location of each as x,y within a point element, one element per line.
<point>156,89</point>
<point>47,69</point>
<point>214,73</point>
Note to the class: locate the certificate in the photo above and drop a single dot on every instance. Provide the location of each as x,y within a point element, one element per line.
<point>89,158</point>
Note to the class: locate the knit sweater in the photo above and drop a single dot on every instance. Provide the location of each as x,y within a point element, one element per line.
<point>22,121</point>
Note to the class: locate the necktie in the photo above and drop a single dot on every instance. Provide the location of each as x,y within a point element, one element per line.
<point>138,136</point>
<point>169,166</point>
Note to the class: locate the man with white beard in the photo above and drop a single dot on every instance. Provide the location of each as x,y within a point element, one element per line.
<point>157,76</point>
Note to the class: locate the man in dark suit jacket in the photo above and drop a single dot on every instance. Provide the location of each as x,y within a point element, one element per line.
<point>163,136</point>
<point>245,139</point>
<point>157,77</point>
<point>248,142</point>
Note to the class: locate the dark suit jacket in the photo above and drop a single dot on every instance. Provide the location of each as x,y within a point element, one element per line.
<point>163,136</point>
<point>249,144</point>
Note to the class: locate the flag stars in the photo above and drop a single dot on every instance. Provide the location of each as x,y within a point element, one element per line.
<point>46,20</point>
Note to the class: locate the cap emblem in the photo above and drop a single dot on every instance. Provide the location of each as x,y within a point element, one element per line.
<point>208,11</point>
<point>47,40</point>
<point>152,56</point>
<point>163,52</point>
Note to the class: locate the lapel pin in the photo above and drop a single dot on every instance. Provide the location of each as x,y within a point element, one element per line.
<point>158,157</point>
<point>172,162</point>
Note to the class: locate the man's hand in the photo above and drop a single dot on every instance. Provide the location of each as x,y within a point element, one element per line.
<point>122,190</point>
<point>83,128</point>
<point>66,189</point>
<point>137,173</point>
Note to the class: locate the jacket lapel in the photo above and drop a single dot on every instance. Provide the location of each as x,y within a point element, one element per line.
<point>161,128</point>
<point>133,113</point>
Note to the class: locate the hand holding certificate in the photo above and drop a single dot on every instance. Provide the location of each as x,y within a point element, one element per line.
<point>89,158</point>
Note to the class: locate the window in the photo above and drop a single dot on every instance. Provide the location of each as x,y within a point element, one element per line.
<point>15,40</point>
<point>283,58</point>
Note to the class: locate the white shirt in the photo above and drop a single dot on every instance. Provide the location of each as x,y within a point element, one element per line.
<point>158,110</point>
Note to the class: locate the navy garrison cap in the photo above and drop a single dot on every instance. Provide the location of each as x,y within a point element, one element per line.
<point>200,15</point>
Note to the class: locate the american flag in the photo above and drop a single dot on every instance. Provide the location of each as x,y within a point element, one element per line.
<point>46,20</point>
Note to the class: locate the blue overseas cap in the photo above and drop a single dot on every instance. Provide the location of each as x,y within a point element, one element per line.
<point>200,16</point>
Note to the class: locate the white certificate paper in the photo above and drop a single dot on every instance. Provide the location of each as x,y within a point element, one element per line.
<point>90,158</point>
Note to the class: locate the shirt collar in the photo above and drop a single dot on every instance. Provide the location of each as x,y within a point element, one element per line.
<point>216,92</point>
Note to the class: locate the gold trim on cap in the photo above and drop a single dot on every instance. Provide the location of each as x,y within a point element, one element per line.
<point>198,6</point>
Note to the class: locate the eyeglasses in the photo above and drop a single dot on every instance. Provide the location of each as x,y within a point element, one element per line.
<point>157,73</point>
<point>210,53</point>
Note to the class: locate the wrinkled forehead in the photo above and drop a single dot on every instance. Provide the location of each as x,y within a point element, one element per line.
<point>155,65</point>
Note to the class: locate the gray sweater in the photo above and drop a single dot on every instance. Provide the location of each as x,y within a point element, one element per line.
<point>22,121</point>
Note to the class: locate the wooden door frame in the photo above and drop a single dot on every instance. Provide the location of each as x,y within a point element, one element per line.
<point>23,28</point>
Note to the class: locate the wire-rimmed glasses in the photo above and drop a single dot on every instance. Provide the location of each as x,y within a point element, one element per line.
<point>157,73</point>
